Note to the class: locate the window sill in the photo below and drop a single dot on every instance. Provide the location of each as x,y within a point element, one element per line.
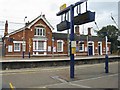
<point>16,51</point>
<point>81,51</point>
<point>59,51</point>
<point>39,50</point>
<point>39,36</point>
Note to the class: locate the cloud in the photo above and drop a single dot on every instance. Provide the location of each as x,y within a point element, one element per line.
<point>16,10</point>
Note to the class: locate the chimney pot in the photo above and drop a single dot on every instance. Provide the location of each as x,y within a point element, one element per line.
<point>43,15</point>
<point>89,31</point>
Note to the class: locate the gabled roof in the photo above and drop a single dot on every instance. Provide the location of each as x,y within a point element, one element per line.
<point>31,23</point>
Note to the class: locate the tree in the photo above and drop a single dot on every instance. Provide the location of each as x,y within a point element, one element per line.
<point>112,33</point>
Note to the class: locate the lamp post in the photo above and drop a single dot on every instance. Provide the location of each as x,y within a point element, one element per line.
<point>106,56</point>
<point>30,45</point>
<point>87,46</point>
<point>23,46</point>
<point>52,46</point>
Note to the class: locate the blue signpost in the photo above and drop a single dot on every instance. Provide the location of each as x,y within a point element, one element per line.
<point>77,20</point>
<point>71,39</point>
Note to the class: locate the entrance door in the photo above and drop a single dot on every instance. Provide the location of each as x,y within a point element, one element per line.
<point>100,48</point>
<point>99,51</point>
<point>90,50</point>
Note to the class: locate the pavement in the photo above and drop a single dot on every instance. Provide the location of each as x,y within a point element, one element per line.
<point>86,76</point>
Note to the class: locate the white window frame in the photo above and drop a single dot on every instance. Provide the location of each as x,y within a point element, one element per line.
<point>40,30</point>
<point>82,47</point>
<point>60,41</point>
<point>37,49</point>
<point>19,47</point>
<point>10,48</point>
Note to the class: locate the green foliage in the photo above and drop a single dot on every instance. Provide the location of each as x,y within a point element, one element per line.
<point>112,33</point>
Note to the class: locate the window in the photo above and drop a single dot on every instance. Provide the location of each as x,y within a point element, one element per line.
<point>39,31</point>
<point>16,46</point>
<point>10,48</point>
<point>81,46</point>
<point>40,45</point>
<point>60,46</point>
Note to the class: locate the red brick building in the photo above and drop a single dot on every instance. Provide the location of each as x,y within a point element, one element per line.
<point>37,37</point>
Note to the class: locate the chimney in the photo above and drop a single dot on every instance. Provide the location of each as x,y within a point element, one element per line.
<point>89,31</point>
<point>6,28</point>
<point>77,32</point>
<point>44,15</point>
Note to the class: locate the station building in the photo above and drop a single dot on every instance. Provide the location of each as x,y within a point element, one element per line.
<point>37,37</point>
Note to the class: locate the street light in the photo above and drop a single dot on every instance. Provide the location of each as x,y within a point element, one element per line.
<point>114,21</point>
<point>30,45</point>
<point>23,46</point>
<point>53,46</point>
<point>106,56</point>
<point>106,50</point>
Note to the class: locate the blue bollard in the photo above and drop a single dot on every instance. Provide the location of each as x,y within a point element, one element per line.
<point>29,54</point>
<point>106,64</point>
<point>23,55</point>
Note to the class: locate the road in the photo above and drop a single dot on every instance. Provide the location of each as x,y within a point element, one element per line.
<point>86,76</point>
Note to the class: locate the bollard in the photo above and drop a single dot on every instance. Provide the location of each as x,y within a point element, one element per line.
<point>23,55</point>
<point>29,54</point>
<point>106,64</point>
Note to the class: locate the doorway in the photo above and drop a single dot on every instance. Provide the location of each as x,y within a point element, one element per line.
<point>100,48</point>
<point>90,48</point>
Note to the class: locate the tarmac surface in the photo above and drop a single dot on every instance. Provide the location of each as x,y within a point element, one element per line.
<point>86,76</point>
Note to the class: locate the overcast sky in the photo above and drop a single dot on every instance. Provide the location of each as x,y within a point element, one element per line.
<point>16,10</point>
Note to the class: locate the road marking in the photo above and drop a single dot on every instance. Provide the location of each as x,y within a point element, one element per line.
<point>97,77</point>
<point>72,83</point>
<point>11,86</point>
<point>59,79</point>
<point>81,86</point>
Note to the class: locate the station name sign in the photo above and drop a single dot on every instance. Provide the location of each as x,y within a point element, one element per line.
<point>62,7</point>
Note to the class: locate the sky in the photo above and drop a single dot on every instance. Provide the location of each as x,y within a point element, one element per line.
<point>15,11</point>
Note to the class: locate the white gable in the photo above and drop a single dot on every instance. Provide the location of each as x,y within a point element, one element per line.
<point>44,19</point>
